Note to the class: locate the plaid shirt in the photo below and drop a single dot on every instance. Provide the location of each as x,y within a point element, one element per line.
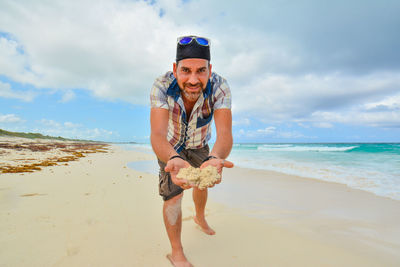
<point>193,132</point>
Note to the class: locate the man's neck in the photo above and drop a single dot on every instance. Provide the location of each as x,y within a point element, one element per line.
<point>189,104</point>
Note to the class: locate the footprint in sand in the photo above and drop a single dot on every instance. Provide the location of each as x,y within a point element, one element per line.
<point>72,251</point>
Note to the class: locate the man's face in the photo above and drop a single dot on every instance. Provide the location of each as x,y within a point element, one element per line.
<point>192,75</point>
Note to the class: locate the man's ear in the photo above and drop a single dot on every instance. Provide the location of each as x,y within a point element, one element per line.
<point>174,67</point>
<point>210,70</point>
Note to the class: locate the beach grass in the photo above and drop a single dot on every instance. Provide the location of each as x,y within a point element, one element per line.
<point>37,136</point>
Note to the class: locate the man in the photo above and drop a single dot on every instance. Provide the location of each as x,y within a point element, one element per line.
<point>183,103</point>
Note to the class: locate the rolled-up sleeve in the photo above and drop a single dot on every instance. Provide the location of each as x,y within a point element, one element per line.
<point>222,96</point>
<point>158,94</point>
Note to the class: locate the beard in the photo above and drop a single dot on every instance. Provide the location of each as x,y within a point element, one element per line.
<point>190,95</point>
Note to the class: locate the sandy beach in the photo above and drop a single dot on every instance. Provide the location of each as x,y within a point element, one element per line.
<point>96,211</point>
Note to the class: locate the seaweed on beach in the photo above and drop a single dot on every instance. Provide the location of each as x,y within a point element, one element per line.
<point>75,151</point>
<point>43,147</point>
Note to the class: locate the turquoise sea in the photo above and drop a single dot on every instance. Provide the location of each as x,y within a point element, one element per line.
<point>373,167</point>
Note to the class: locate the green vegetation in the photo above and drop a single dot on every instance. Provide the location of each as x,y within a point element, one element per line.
<point>35,136</point>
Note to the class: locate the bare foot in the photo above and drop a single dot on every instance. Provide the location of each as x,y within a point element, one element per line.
<point>179,262</point>
<point>204,226</point>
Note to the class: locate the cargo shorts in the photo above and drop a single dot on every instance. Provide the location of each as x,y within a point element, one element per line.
<point>167,189</point>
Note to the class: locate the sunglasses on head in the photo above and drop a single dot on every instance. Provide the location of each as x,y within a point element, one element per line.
<point>185,40</point>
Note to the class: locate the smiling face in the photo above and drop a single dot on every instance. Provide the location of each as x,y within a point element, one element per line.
<point>192,75</point>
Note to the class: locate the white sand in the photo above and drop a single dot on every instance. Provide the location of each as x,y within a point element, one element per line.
<point>202,178</point>
<point>98,212</point>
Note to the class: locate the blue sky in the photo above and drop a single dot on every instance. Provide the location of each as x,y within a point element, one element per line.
<point>299,71</point>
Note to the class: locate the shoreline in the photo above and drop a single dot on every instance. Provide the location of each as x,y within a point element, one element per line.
<point>99,212</point>
<point>370,179</point>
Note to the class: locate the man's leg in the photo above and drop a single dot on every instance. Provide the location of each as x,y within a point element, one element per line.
<point>200,201</point>
<point>172,213</point>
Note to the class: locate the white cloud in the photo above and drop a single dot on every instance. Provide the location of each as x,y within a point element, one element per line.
<point>72,130</point>
<point>124,45</point>
<point>385,119</point>
<point>72,125</point>
<point>323,125</point>
<point>273,98</point>
<point>50,123</point>
<point>10,118</point>
<point>67,96</point>
<point>12,62</point>
<point>6,92</point>
<point>390,103</point>
<point>267,131</point>
<point>119,51</point>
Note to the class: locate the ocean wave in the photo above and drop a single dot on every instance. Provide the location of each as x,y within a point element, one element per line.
<point>291,148</point>
<point>379,182</point>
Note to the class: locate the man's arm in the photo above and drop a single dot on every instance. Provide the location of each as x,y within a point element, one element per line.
<point>158,137</point>
<point>161,146</point>
<point>224,141</point>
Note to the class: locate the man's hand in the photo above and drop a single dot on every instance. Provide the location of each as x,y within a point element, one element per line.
<point>219,164</point>
<point>173,166</point>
